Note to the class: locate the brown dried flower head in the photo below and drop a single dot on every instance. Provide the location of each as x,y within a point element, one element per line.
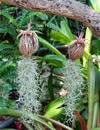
<point>76,47</point>
<point>28,43</point>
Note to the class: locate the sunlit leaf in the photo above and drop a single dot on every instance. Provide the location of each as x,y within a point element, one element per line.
<point>66,30</point>
<point>96,4</point>
<point>59,36</point>
<point>54,109</point>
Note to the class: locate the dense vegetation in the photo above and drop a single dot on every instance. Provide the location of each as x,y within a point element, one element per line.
<point>48,87</point>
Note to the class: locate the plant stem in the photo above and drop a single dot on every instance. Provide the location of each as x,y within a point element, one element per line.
<point>95,114</point>
<point>56,123</point>
<point>29,127</point>
<point>10,112</point>
<point>96,98</point>
<point>38,126</point>
<point>88,37</point>
<point>91,90</point>
<point>52,48</point>
<point>18,114</point>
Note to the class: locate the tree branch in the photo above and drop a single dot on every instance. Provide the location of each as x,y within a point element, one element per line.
<point>69,8</point>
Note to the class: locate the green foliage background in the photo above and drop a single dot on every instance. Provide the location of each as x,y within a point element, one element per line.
<point>55,31</point>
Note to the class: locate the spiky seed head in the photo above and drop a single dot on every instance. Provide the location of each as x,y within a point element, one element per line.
<point>28,43</point>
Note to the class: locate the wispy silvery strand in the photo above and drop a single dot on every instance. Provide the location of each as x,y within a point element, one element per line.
<point>32,81</point>
<point>43,80</point>
<point>28,78</point>
<point>73,83</point>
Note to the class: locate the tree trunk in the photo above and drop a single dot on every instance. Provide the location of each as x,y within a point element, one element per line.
<point>70,8</point>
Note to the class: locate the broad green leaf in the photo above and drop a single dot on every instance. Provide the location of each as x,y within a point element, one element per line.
<point>54,109</point>
<point>66,30</point>
<point>64,34</point>
<point>55,60</point>
<point>59,36</point>
<point>96,4</point>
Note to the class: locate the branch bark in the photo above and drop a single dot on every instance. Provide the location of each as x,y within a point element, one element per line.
<point>69,8</point>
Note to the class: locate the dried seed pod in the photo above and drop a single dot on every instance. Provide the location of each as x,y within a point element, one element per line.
<point>76,48</point>
<point>28,43</point>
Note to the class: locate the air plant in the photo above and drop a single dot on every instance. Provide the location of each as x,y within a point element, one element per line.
<point>28,43</point>
<point>31,78</point>
<point>76,47</point>
<point>73,84</point>
<point>73,80</point>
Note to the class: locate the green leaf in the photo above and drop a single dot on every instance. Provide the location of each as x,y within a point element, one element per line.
<point>43,16</point>
<point>7,87</point>
<point>55,60</point>
<point>91,91</point>
<point>66,30</point>
<point>88,37</point>
<point>95,4</point>
<point>5,65</point>
<point>32,116</point>
<point>64,34</point>
<point>5,46</point>
<point>8,29</point>
<point>52,26</point>
<point>54,109</point>
<point>50,87</point>
<point>52,48</point>
<point>58,71</point>
<point>98,128</point>
<point>10,74</point>
<point>96,46</point>
<point>9,17</point>
<point>97,80</point>
<point>59,36</point>
<point>56,123</point>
